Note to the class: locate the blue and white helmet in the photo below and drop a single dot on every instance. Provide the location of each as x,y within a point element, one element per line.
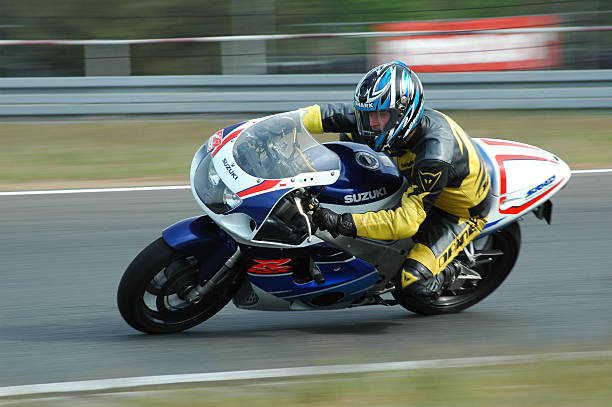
<point>388,105</point>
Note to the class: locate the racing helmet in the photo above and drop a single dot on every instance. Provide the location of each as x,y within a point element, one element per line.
<point>388,105</point>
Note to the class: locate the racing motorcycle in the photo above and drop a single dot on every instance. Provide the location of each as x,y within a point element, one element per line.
<point>258,180</point>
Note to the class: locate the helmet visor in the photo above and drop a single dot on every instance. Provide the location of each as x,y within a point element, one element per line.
<point>375,125</point>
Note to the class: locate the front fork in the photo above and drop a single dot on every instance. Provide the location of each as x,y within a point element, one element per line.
<point>214,249</point>
<point>200,291</point>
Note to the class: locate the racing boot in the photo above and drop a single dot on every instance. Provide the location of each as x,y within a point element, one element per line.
<point>419,283</point>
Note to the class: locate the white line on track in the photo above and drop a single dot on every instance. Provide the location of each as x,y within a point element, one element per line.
<point>592,171</point>
<point>132,382</point>
<point>171,187</point>
<point>90,190</point>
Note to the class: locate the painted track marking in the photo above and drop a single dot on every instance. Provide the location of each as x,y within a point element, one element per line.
<point>92,190</point>
<point>595,171</point>
<point>133,382</point>
<point>172,187</point>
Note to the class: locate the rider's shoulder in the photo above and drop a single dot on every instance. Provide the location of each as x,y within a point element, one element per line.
<point>435,140</point>
<point>435,128</point>
<point>434,121</point>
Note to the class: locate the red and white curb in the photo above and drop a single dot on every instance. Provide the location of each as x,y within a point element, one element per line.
<point>135,382</point>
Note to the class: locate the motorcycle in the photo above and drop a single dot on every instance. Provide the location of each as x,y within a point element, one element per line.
<point>258,180</point>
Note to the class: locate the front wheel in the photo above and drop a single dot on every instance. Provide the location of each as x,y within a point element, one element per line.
<point>152,292</point>
<point>504,246</point>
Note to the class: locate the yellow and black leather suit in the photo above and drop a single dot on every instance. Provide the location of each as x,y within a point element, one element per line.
<point>447,201</point>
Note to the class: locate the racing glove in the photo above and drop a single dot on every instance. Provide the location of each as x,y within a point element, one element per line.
<point>336,224</point>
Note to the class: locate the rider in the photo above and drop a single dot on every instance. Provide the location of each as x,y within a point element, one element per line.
<point>447,201</point>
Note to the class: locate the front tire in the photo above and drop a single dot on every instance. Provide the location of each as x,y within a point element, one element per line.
<point>506,240</point>
<point>151,294</point>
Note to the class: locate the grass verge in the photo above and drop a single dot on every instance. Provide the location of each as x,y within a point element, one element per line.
<point>149,152</point>
<point>585,383</point>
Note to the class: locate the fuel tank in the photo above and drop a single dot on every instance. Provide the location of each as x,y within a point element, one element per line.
<point>368,180</point>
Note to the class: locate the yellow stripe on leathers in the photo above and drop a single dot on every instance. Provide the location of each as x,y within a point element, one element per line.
<point>312,119</point>
<point>472,228</point>
<point>394,224</point>
<point>426,257</point>
<point>474,187</point>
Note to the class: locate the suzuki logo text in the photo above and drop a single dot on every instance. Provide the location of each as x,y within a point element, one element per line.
<point>228,167</point>
<point>365,196</point>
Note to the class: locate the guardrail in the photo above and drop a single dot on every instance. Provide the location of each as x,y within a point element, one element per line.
<point>274,93</point>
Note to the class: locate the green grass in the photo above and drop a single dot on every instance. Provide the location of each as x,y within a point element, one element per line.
<point>144,152</point>
<point>105,150</point>
<point>584,383</point>
<point>582,138</point>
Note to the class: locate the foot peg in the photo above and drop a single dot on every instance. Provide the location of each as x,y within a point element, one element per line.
<point>316,275</point>
<point>464,274</point>
<point>303,275</point>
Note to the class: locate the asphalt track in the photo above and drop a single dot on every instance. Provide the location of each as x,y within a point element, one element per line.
<point>61,258</point>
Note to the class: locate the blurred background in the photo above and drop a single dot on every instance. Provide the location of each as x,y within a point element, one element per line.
<point>324,36</point>
<point>122,93</point>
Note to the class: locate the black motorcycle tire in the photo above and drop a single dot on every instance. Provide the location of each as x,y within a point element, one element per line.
<point>140,286</point>
<point>508,240</point>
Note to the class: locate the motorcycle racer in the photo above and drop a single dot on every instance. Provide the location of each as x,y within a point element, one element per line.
<point>448,199</point>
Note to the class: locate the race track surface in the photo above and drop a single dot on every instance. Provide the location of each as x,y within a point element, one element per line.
<point>61,258</point>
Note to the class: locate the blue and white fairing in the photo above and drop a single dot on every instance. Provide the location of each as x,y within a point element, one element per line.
<point>273,283</point>
<point>245,170</point>
<point>368,180</point>
<point>244,177</point>
<point>523,178</point>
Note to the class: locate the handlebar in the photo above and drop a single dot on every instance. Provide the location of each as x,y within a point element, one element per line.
<point>311,202</point>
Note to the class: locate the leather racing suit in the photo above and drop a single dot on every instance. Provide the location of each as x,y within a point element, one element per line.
<point>444,207</point>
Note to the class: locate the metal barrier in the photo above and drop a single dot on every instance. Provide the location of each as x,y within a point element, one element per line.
<point>114,95</point>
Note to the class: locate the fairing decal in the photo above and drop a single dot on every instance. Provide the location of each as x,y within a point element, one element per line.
<point>492,142</point>
<point>522,178</point>
<point>513,210</point>
<point>227,138</point>
<point>491,224</point>
<point>261,187</point>
<point>347,276</point>
<point>271,266</point>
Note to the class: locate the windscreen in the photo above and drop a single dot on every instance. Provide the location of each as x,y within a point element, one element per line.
<point>280,147</point>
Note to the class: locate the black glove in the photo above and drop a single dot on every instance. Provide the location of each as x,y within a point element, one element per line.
<point>336,224</point>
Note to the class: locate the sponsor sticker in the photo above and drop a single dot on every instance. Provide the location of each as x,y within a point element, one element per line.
<point>429,180</point>
<point>541,186</point>
<point>214,141</point>
<point>366,105</point>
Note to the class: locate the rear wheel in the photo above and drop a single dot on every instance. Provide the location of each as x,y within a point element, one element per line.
<point>152,294</point>
<point>495,256</point>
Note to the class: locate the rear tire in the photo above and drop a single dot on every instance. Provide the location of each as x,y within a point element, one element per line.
<point>151,294</point>
<point>508,240</point>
